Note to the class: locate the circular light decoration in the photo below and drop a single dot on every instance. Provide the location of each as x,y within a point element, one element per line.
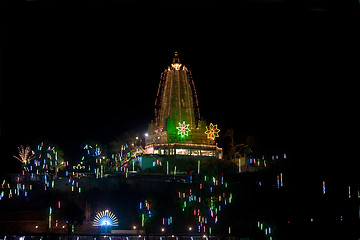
<point>212,131</point>
<point>183,129</point>
<point>105,218</point>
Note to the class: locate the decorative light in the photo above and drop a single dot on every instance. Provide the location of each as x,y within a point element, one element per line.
<point>183,129</point>
<point>25,154</point>
<point>176,62</point>
<point>212,131</point>
<point>105,218</point>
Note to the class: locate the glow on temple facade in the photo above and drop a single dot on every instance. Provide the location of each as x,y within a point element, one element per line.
<point>177,129</point>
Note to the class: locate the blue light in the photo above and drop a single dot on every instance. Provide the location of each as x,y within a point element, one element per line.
<point>106,221</point>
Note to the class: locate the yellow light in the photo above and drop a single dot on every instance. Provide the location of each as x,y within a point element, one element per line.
<point>212,131</point>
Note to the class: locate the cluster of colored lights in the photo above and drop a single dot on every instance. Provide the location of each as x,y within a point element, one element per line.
<point>93,151</point>
<point>266,229</point>
<point>51,216</point>
<point>145,211</point>
<point>204,212</point>
<point>41,165</point>
<point>19,190</point>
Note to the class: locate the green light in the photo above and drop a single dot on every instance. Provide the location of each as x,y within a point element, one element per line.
<point>349,192</point>
<point>183,129</point>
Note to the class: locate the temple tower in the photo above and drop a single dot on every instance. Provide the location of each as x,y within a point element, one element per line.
<point>176,98</point>
<point>177,129</point>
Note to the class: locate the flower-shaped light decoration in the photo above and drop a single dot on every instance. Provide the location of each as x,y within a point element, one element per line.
<point>183,129</point>
<point>212,131</point>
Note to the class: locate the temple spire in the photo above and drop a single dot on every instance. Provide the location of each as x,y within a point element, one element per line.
<point>176,62</point>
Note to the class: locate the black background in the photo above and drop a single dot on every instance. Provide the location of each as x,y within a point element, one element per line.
<point>286,73</point>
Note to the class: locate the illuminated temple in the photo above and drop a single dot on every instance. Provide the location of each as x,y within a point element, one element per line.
<point>177,129</point>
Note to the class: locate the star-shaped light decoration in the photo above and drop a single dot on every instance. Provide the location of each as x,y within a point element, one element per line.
<point>212,131</point>
<point>183,129</point>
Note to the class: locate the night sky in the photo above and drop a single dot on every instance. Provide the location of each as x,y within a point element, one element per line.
<point>285,73</point>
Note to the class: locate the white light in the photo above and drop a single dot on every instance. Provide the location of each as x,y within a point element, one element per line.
<point>146,134</point>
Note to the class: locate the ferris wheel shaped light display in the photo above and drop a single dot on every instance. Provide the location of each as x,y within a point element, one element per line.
<point>105,218</point>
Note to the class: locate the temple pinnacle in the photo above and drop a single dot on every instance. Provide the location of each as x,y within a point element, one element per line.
<point>176,62</point>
